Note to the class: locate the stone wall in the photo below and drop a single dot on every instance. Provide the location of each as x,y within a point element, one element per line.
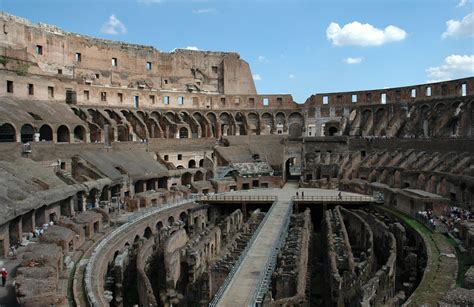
<point>145,291</point>
<point>290,278</point>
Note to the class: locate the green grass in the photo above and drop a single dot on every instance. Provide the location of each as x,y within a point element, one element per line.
<point>438,277</point>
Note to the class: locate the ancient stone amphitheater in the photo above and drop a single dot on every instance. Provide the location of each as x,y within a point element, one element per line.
<point>135,177</point>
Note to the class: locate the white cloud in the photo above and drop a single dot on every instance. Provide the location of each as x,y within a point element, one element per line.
<point>461,3</point>
<point>262,59</point>
<point>291,76</point>
<point>113,26</point>
<point>356,33</point>
<point>204,11</point>
<point>193,48</point>
<point>458,29</point>
<point>256,77</point>
<point>454,66</point>
<point>350,60</point>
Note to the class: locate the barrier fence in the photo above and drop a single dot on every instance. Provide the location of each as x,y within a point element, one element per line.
<point>335,199</point>
<point>90,279</point>
<point>237,198</point>
<point>235,268</point>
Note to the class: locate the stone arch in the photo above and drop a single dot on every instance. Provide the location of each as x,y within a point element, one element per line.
<point>240,123</point>
<point>63,135</point>
<point>183,133</point>
<point>421,182</point>
<point>253,122</point>
<point>191,163</point>
<point>266,123</point>
<point>7,133</point>
<point>432,184</point>
<point>183,217</point>
<point>139,186</point>
<point>296,124</point>
<point>170,221</point>
<point>80,133</point>
<point>147,233</point>
<point>27,133</point>
<point>136,239</point>
<point>46,133</point>
<point>227,123</point>
<point>186,179</point>
<point>212,117</point>
<point>159,225</point>
<point>397,179</point>
<point>442,188</point>
<point>123,133</point>
<point>199,176</point>
<point>201,162</point>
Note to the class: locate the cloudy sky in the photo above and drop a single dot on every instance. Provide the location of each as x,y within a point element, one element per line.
<point>299,47</point>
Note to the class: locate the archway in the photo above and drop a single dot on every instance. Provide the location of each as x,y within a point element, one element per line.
<point>290,168</point>
<point>63,134</point>
<point>122,133</point>
<point>7,133</point>
<point>170,221</point>
<point>183,133</point>
<point>79,134</point>
<point>332,131</point>
<point>183,217</point>
<point>147,233</point>
<point>159,225</point>
<point>186,178</point>
<point>27,133</point>
<point>191,164</point>
<point>46,133</point>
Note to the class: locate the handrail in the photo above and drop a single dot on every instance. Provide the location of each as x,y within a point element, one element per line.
<point>90,270</point>
<point>264,279</point>
<point>237,198</point>
<point>334,198</point>
<point>236,267</point>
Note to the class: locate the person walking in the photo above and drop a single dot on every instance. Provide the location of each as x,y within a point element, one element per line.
<point>339,195</point>
<point>302,194</point>
<point>4,277</point>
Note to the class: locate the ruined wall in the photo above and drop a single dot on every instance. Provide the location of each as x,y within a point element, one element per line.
<point>380,289</point>
<point>408,94</point>
<point>291,275</point>
<point>98,61</point>
<point>145,291</point>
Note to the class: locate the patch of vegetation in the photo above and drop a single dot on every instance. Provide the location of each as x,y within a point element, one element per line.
<point>21,69</point>
<point>3,60</point>
<point>438,277</point>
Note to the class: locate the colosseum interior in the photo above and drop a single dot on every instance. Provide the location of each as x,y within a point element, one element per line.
<point>135,177</point>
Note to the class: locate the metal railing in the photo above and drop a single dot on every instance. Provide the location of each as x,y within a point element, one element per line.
<point>237,198</point>
<point>264,279</point>
<point>236,267</point>
<point>334,199</point>
<point>89,278</point>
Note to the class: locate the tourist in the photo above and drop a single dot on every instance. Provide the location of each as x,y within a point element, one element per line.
<point>302,194</point>
<point>339,195</point>
<point>4,277</point>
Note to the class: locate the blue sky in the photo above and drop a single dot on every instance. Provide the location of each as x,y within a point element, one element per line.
<point>300,47</point>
